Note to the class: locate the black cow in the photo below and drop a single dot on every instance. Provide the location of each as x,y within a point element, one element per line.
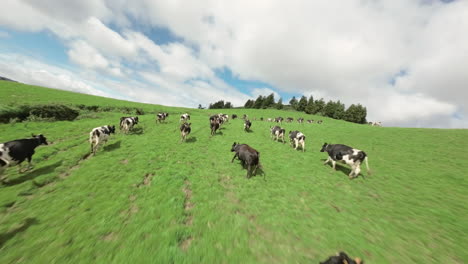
<point>342,258</point>
<point>127,123</point>
<point>214,125</point>
<point>185,130</point>
<point>277,132</point>
<point>352,157</point>
<point>161,117</point>
<point>234,116</point>
<point>261,118</point>
<point>16,151</point>
<point>248,156</point>
<point>247,125</point>
<point>100,135</point>
<point>297,138</point>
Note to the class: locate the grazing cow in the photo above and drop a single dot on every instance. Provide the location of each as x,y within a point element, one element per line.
<point>127,123</point>
<point>297,138</point>
<point>185,130</point>
<point>277,133</point>
<point>248,156</point>
<point>214,125</point>
<point>319,121</point>
<point>352,157</point>
<point>289,119</point>
<point>184,117</point>
<point>261,118</point>
<point>279,119</point>
<point>342,258</point>
<point>270,119</point>
<point>300,120</point>
<point>244,116</point>
<point>247,125</point>
<point>379,124</point>
<point>234,116</point>
<point>310,121</point>
<point>100,135</point>
<point>16,151</point>
<point>161,117</point>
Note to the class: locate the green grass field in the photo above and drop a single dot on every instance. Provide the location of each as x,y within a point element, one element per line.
<point>147,198</point>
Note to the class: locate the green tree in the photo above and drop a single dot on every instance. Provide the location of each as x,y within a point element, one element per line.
<point>319,107</point>
<point>310,106</point>
<point>279,105</point>
<point>356,114</point>
<point>268,101</point>
<point>258,102</point>
<point>249,104</point>
<point>329,109</point>
<point>227,105</point>
<point>339,110</point>
<point>301,106</point>
<point>293,102</point>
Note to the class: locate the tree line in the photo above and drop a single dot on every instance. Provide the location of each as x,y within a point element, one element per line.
<point>219,105</point>
<point>355,113</point>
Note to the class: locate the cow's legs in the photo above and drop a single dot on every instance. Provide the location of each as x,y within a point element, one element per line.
<point>328,160</point>
<point>357,170</point>
<point>255,170</point>
<point>248,171</point>
<point>303,146</point>
<point>235,155</point>
<point>333,164</point>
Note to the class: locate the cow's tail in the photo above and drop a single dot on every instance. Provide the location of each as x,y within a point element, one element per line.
<point>367,166</point>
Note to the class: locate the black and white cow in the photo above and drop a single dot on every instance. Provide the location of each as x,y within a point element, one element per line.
<point>297,138</point>
<point>319,121</point>
<point>351,156</point>
<point>248,156</point>
<point>277,133</point>
<point>185,130</point>
<point>310,121</point>
<point>279,119</point>
<point>247,125</point>
<point>300,120</point>
<point>161,117</point>
<point>184,117</point>
<point>16,151</point>
<point>342,258</point>
<point>127,123</point>
<point>289,119</point>
<point>244,116</point>
<point>100,135</point>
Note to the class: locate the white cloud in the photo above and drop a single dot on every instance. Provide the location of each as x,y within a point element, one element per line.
<point>339,50</point>
<point>4,34</point>
<point>264,92</point>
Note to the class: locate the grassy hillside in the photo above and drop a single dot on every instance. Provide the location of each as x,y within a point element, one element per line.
<point>147,198</point>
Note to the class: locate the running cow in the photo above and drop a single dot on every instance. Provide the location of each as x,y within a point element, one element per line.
<point>248,156</point>
<point>16,151</point>
<point>351,156</point>
<point>100,135</point>
<point>277,133</point>
<point>184,117</point>
<point>297,138</point>
<point>247,125</point>
<point>161,117</point>
<point>185,131</point>
<point>127,123</point>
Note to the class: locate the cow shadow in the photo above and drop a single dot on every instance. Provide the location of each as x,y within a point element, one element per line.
<point>339,167</point>
<point>249,131</point>
<point>136,131</point>
<point>9,235</point>
<point>33,174</point>
<point>191,140</point>
<point>112,146</point>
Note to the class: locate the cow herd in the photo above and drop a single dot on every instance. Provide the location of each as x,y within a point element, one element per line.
<point>16,151</point>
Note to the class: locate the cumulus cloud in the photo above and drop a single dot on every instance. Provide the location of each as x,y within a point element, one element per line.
<point>352,51</point>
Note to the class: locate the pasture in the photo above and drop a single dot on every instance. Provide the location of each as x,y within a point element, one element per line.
<point>145,197</point>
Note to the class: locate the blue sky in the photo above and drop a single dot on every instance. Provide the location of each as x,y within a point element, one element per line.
<point>404,60</point>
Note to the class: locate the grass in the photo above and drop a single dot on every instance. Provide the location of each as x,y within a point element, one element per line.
<point>147,198</point>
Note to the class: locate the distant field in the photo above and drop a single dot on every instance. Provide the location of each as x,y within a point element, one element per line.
<point>147,198</point>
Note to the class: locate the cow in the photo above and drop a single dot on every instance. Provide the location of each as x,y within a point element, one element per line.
<point>277,133</point>
<point>234,116</point>
<point>100,135</point>
<point>270,119</point>
<point>127,123</point>
<point>297,138</point>
<point>319,121</point>
<point>351,156</point>
<point>247,125</point>
<point>184,117</point>
<point>310,121</point>
<point>248,156</point>
<point>244,117</point>
<point>279,119</point>
<point>342,258</point>
<point>379,124</point>
<point>289,119</point>
<point>16,151</point>
<point>300,120</point>
<point>261,118</point>
<point>214,125</point>
<point>185,131</point>
<point>161,117</point>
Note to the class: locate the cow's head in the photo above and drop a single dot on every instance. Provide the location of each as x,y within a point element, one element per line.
<point>324,147</point>
<point>41,138</point>
<point>233,148</point>
<point>111,129</point>
<point>136,120</point>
